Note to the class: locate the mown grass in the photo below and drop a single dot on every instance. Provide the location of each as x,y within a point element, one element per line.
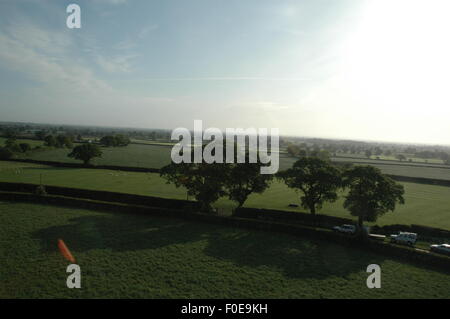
<point>128,256</point>
<point>427,205</point>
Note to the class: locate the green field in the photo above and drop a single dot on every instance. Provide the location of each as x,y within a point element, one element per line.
<point>157,155</point>
<point>128,256</point>
<point>32,143</point>
<point>392,158</point>
<point>135,155</point>
<point>416,171</point>
<point>427,205</point>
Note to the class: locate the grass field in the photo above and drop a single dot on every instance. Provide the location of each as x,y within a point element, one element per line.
<point>135,155</point>
<point>158,155</point>
<point>427,205</point>
<point>32,143</point>
<point>127,256</point>
<point>416,171</point>
<point>393,158</point>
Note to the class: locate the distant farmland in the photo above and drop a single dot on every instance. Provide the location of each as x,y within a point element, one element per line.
<point>157,156</point>
<point>136,155</point>
<point>427,205</point>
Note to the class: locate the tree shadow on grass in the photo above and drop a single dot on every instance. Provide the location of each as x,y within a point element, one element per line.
<point>294,257</point>
<point>46,168</point>
<point>118,232</point>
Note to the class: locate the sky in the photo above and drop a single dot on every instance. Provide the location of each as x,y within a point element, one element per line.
<point>365,70</point>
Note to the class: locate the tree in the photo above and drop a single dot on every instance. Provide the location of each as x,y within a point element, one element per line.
<point>116,140</point>
<point>371,194</point>
<point>121,140</point>
<point>378,151</point>
<point>293,150</point>
<point>324,155</point>
<point>86,152</point>
<point>63,141</point>
<point>368,153</point>
<point>244,179</point>
<point>5,153</point>
<point>202,180</point>
<point>24,147</point>
<point>444,156</point>
<point>10,133</point>
<point>108,141</point>
<point>317,179</point>
<point>40,135</point>
<point>302,153</point>
<point>401,157</point>
<point>11,144</point>
<point>50,140</point>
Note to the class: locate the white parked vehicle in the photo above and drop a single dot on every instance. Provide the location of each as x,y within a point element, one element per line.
<point>404,238</point>
<point>347,229</point>
<point>441,249</point>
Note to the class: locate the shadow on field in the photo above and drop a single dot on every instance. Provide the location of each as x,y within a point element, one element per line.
<point>119,232</point>
<point>294,257</point>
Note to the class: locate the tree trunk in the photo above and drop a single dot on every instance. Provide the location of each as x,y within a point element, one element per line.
<point>312,209</point>
<point>360,222</point>
<point>206,208</point>
<point>361,232</point>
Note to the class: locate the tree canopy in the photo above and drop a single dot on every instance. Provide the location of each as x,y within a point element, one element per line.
<point>244,179</point>
<point>115,140</point>
<point>202,180</point>
<point>371,194</point>
<point>86,152</point>
<point>317,180</point>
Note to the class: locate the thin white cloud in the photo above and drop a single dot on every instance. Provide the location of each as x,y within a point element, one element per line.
<point>224,78</point>
<point>42,56</point>
<point>146,30</point>
<point>114,2</point>
<point>116,64</point>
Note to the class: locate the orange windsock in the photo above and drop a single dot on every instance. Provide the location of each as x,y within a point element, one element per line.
<point>65,251</point>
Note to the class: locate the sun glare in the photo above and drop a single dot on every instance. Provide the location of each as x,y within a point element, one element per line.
<point>398,57</point>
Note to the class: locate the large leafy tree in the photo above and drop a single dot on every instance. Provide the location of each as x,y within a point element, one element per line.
<point>108,140</point>
<point>63,141</point>
<point>116,140</point>
<point>244,179</point>
<point>371,194</point>
<point>86,152</point>
<point>50,140</point>
<point>5,153</point>
<point>203,181</point>
<point>207,182</point>
<point>316,179</point>
<point>12,145</point>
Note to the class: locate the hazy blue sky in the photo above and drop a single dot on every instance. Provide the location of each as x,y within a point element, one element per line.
<point>346,69</point>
